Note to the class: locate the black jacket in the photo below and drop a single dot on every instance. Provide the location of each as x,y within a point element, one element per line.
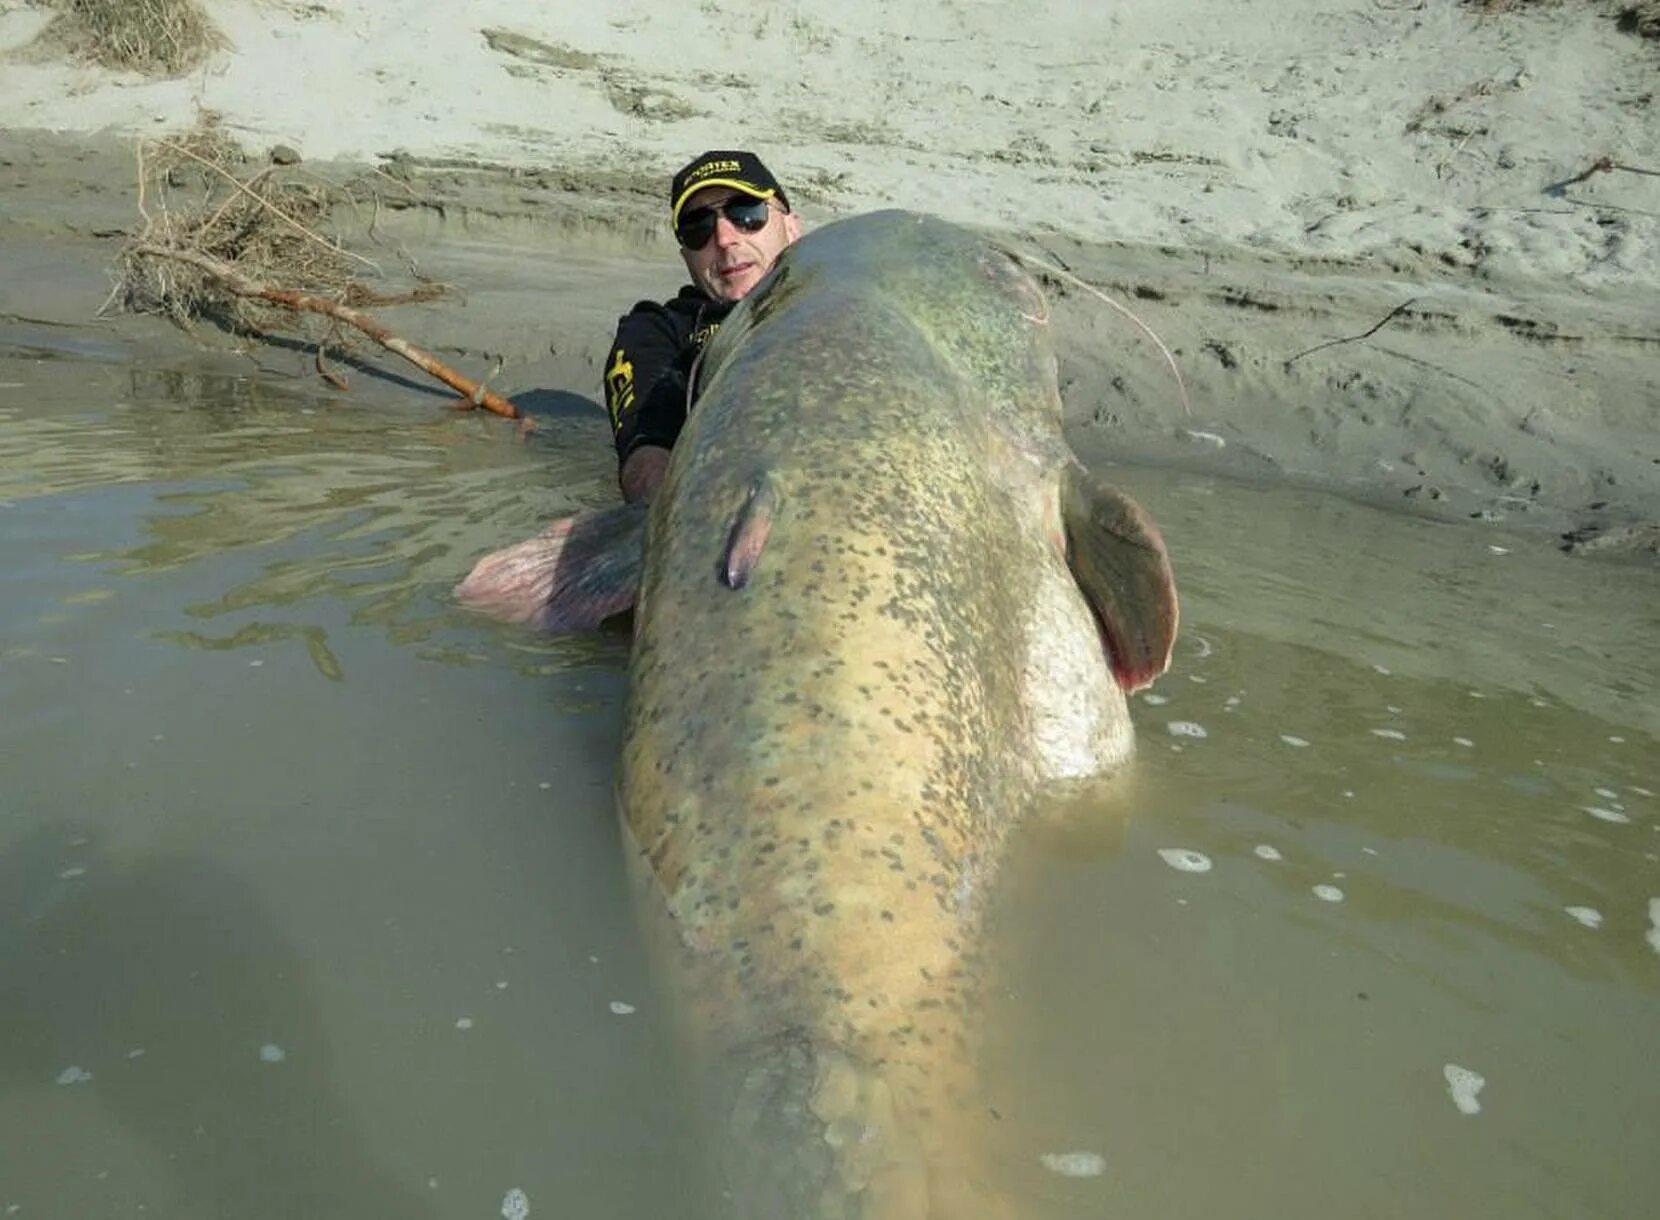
<point>649,369</point>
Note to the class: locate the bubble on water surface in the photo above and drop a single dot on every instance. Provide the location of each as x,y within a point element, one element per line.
<point>1265,852</point>
<point>1589,916</point>
<point>272,1053</point>
<point>1465,742</point>
<point>1381,669</point>
<point>515,1205</point>
<point>74,1074</point>
<point>1187,728</point>
<point>1464,1084</point>
<point>620,1008</point>
<point>1074,1164</point>
<point>1185,860</point>
<point>463,1022</point>
<point>1296,743</point>
<point>1389,734</point>
<point>1328,893</point>
<point>1653,936</point>
<point>1155,700</point>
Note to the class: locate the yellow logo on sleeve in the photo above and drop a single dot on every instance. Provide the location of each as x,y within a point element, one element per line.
<point>619,387</point>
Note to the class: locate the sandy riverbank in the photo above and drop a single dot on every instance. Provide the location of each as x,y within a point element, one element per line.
<point>1255,179</point>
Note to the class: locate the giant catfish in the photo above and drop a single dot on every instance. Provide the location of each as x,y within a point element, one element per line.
<point>880,605</point>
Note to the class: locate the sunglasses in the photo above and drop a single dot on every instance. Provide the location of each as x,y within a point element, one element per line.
<point>697,225</point>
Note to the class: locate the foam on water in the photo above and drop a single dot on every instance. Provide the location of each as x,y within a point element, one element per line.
<point>463,1022</point>
<point>1464,1084</point>
<point>1606,815</point>
<point>515,1205</point>
<point>1589,916</point>
<point>74,1074</point>
<point>1607,794</point>
<point>1328,893</point>
<point>1465,742</point>
<point>1185,860</point>
<point>1389,734</point>
<point>272,1053</point>
<point>620,1008</point>
<point>1187,728</point>
<point>1265,852</point>
<point>1074,1164</point>
<point>1653,936</point>
<point>1296,743</point>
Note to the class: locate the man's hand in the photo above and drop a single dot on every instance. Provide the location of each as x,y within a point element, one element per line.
<point>642,472</point>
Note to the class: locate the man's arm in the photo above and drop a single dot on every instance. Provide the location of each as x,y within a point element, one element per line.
<point>642,470</point>
<point>645,396</point>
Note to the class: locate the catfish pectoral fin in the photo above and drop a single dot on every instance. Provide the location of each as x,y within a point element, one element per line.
<point>1119,561</point>
<point>572,576</point>
<point>748,536</point>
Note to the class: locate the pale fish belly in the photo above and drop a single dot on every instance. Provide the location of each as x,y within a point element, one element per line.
<point>1080,723</point>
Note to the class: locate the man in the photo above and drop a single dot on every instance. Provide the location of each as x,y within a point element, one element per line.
<point>732,220</point>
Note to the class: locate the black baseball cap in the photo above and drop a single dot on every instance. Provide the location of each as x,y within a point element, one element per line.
<point>742,171</point>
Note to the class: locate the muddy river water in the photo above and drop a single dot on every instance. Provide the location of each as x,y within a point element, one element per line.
<point>311,900</point>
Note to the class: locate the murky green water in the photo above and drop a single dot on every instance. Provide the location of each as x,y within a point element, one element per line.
<point>311,904</point>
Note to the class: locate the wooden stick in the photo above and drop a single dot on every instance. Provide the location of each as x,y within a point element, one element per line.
<point>474,394</point>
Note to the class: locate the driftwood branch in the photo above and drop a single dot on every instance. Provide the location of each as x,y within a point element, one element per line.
<point>473,393</point>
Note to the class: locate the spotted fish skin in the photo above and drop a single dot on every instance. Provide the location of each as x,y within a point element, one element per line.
<point>860,651</point>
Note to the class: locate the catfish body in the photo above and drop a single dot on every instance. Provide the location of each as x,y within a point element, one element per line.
<point>880,605</point>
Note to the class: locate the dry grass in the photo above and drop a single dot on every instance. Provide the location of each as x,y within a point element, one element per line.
<point>155,37</point>
<point>197,193</point>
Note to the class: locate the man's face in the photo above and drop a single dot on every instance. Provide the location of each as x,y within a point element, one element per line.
<point>732,262</point>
